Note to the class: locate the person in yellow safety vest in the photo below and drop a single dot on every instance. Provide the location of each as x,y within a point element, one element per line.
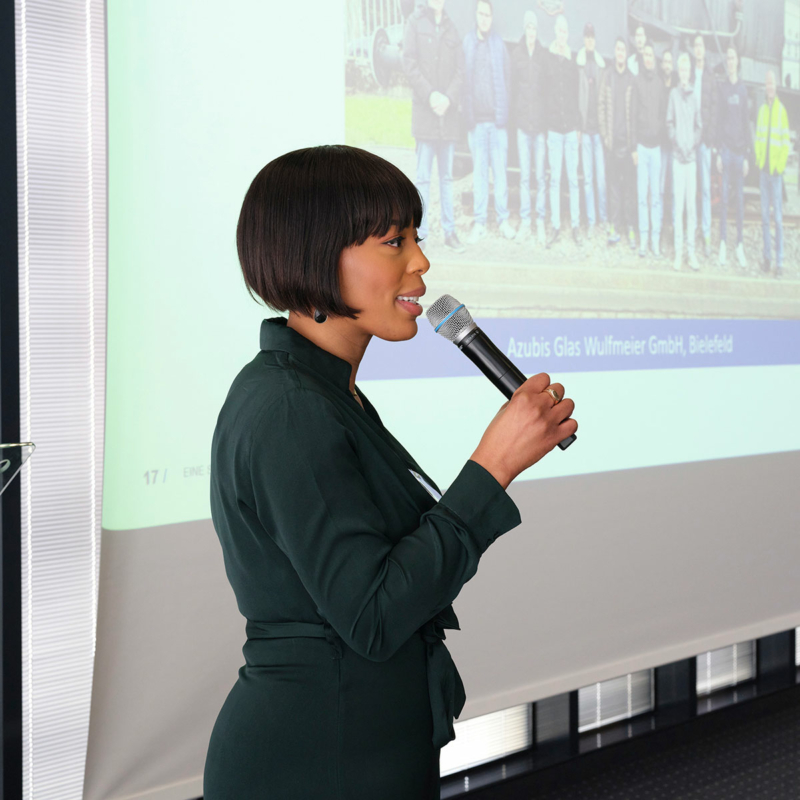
<point>772,150</point>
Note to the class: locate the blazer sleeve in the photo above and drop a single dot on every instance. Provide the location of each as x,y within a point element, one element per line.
<point>314,501</point>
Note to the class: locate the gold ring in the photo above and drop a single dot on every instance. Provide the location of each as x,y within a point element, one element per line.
<point>554,394</point>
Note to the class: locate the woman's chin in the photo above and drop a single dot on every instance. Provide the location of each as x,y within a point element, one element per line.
<point>401,331</point>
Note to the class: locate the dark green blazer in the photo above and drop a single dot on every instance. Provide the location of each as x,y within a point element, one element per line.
<point>345,566</point>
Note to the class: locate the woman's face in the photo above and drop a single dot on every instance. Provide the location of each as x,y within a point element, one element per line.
<point>372,276</point>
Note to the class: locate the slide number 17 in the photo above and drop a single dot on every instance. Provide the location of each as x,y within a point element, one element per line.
<point>151,476</point>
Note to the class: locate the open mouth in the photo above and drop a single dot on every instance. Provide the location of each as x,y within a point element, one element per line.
<point>410,304</point>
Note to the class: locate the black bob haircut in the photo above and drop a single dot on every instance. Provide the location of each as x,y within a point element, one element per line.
<point>303,209</point>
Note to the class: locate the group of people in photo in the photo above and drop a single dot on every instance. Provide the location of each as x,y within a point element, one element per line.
<point>646,131</point>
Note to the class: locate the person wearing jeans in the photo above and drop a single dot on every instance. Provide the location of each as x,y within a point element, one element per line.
<point>685,183</point>
<point>670,80</point>
<point>489,147</point>
<point>733,136</point>
<point>562,130</point>
<point>685,130</point>
<point>648,184</point>
<point>703,183</point>
<point>487,70</point>
<point>528,63</point>
<point>649,117</point>
<point>772,151</point>
<point>705,89</point>
<point>772,194</point>
<point>532,147</point>
<point>443,151</point>
<point>731,165</point>
<point>591,68</point>
<point>433,62</point>
<point>563,147</point>
<point>614,116</point>
<point>592,155</point>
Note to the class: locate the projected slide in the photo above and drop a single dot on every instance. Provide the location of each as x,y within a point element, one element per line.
<point>554,142</point>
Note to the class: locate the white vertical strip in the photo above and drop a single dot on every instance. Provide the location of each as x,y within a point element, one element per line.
<point>630,695</point>
<point>599,706</point>
<point>616,699</point>
<point>727,666</point>
<point>91,399</point>
<point>61,136</point>
<point>21,64</point>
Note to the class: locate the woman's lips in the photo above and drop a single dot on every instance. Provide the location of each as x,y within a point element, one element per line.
<point>412,308</point>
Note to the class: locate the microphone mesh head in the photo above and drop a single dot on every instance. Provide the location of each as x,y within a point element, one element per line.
<point>444,321</point>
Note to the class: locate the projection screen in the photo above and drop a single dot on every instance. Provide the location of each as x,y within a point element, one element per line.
<point>669,527</point>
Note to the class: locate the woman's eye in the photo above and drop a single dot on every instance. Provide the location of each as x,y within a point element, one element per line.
<point>398,239</point>
<point>419,239</point>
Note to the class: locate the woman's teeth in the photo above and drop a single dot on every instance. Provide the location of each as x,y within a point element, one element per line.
<point>409,299</point>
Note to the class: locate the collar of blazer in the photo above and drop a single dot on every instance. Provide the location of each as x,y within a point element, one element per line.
<point>276,335</point>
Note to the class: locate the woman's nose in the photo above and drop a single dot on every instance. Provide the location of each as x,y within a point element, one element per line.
<point>420,261</point>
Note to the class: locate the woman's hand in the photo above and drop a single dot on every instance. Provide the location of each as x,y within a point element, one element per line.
<point>526,428</point>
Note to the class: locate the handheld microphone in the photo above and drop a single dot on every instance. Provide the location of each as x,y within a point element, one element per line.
<point>452,320</point>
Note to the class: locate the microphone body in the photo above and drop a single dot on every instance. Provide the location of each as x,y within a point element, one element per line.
<point>495,365</point>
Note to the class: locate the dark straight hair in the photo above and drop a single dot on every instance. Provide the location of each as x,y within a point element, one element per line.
<point>303,209</point>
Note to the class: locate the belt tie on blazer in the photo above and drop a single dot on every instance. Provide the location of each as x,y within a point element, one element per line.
<point>288,630</point>
<point>445,687</point>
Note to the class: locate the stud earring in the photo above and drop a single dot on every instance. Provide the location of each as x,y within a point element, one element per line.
<point>319,317</point>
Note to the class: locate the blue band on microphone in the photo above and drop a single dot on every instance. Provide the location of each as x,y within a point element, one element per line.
<point>436,329</point>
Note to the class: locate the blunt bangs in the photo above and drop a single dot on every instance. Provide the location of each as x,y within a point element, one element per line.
<point>303,209</point>
<point>378,196</point>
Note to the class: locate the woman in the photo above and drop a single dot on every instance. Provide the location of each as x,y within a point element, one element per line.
<point>343,562</point>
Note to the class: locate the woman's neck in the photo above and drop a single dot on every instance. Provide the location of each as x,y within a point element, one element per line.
<point>334,335</point>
